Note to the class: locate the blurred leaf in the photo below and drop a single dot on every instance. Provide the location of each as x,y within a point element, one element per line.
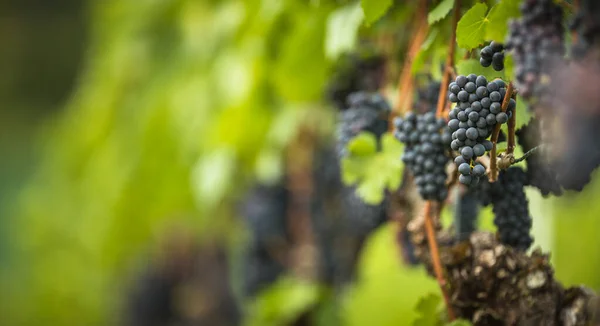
<point>283,302</point>
<point>427,307</point>
<point>523,114</point>
<point>498,18</point>
<point>376,172</point>
<point>424,51</point>
<point>342,29</point>
<point>363,144</point>
<point>211,176</point>
<point>375,9</point>
<point>269,166</point>
<point>508,66</point>
<point>470,31</point>
<point>440,11</point>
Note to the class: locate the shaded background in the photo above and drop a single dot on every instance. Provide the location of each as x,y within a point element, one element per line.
<point>129,130</point>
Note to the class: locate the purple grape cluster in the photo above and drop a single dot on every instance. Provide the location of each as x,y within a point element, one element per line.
<point>426,138</point>
<point>478,110</point>
<point>511,210</point>
<point>492,55</point>
<point>536,42</point>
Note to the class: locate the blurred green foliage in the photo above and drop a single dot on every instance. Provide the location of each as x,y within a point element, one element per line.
<point>178,105</point>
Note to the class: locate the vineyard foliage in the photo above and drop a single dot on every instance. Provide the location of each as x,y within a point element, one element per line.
<point>180,105</point>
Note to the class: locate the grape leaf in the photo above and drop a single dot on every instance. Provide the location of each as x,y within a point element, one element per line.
<point>373,173</point>
<point>374,9</point>
<point>364,144</point>
<point>440,11</point>
<point>283,301</point>
<point>498,17</point>
<point>523,114</point>
<point>342,29</point>
<point>470,31</point>
<point>424,51</point>
<point>427,308</point>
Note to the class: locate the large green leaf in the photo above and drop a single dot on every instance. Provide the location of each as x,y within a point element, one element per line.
<point>440,11</point>
<point>498,17</point>
<point>374,9</point>
<point>470,31</point>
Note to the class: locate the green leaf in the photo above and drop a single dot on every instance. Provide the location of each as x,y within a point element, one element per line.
<point>342,29</point>
<point>498,17</point>
<point>374,9</point>
<point>523,114</point>
<point>427,308</point>
<point>470,31</point>
<point>424,51</point>
<point>374,173</point>
<point>472,66</point>
<point>508,66</point>
<point>440,11</point>
<point>211,176</point>
<point>364,144</point>
<point>283,302</point>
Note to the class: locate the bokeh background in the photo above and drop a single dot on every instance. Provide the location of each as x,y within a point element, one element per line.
<point>129,132</point>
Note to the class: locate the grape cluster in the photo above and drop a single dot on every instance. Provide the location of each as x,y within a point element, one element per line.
<point>366,112</point>
<point>539,172</point>
<point>426,139</point>
<point>511,211</point>
<point>492,55</point>
<point>358,71</point>
<point>478,110</point>
<point>536,41</point>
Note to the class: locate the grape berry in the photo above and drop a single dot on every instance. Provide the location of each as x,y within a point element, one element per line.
<point>492,55</point>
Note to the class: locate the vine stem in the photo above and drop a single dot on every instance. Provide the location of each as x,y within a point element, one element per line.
<point>527,154</point>
<point>441,104</point>
<point>435,257</point>
<point>493,158</point>
<point>406,80</point>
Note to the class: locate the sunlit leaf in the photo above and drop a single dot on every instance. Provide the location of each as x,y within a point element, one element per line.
<point>498,17</point>
<point>374,9</point>
<point>342,29</point>
<point>470,31</point>
<point>440,11</point>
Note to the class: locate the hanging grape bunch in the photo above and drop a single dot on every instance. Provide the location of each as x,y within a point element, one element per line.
<point>426,138</point>
<point>478,110</point>
<point>511,209</point>
<point>536,42</point>
<point>492,55</point>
